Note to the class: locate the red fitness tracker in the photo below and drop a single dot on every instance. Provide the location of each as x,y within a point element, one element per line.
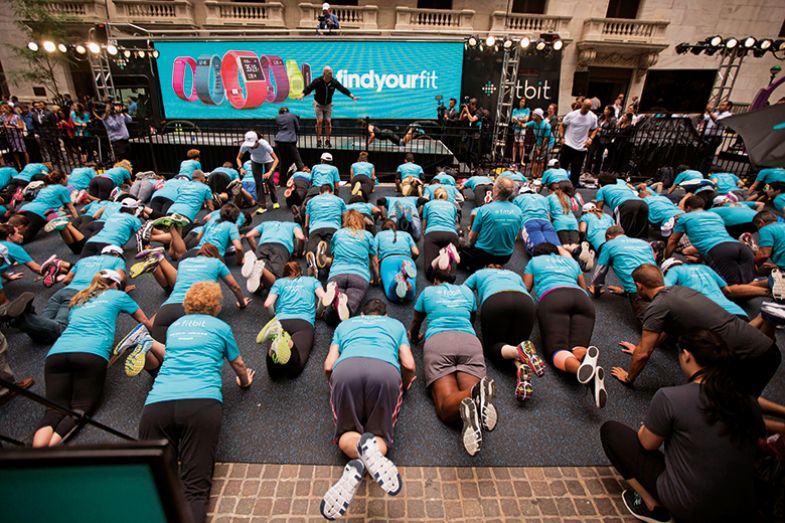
<point>178,78</point>
<point>245,64</point>
<point>274,69</point>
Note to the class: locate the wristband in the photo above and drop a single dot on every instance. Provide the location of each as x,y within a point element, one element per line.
<point>276,73</point>
<point>245,64</point>
<point>209,85</point>
<point>296,83</point>
<point>307,74</point>
<point>178,78</point>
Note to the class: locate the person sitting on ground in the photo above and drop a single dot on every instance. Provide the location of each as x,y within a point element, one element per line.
<point>481,187</point>
<point>441,240</point>
<point>408,179</point>
<point>536,218</point>
<point>362,177</point>
<point>323,216</point>
<point>47,204</point>
<point>566,316</point>
<point>191,164</point>
<point>369,367</point>
<point>453,359</point>
<point>276,247</point>
<point>397,271</point>
<point>629,210</point>
<point>703,279</point>
<point>184,405</point>
<point>506,321</point>
<point>710,429</point>
<point>592,226</point>
<point>77,362</point>
<point>737,216</point>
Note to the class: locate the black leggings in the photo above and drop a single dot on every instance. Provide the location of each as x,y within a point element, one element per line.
<point>569,237</point>
<point>166,315</point>
<point>36,223</point>
<point>473,259</point>
<point>366,185</point>
<point>432,243</point>
<point>74,380</point>
<point>629,458</point>
<point>218,182</point>
<point>302,337</point>
<point>566,317</point>
<point>506,318</point>
<point>263,186</point>
<point>192,428</point>
<point>299,191</point>
<point>160,205</point>
<point>633,216</point>
<point>101,187</point>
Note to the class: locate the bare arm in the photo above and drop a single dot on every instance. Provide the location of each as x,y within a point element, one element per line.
<point>648,439</point>
<point>230,282</point>
<point>269,303</point>
<point>244,374</point>
<point>640,356</point>
<point>408,368</point>
<point>332,356</point>
<point>141,317</point>
<point>273,166</point>
<point>528,280</point>
<point>414,328</point>
<point>673,241</point>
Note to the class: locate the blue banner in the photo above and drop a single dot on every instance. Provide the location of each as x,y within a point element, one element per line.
<point>233,80</point>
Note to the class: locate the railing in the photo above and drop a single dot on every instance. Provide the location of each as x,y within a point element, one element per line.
<point>350,17</point>
<point>246,13</point>
<point>177,12</point>
<point>624,30</point>
<point>86,11</point>
<point>503,23</point>
<point>413,19</point>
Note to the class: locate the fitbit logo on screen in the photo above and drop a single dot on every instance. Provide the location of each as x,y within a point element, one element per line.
<point>379,82</point>
<point>540,91</point>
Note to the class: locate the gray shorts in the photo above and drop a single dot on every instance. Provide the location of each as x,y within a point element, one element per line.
<point>323,112</point>
<point>275,256</point>
<point>448,352</point>
<point>365,396</point>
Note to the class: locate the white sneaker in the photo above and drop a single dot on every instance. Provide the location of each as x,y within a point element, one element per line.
<point>600,394</point>
<point>329,294</point>
<point>584,255</point>
<point>249,260</point>
<point>401,288</point>
<point>588,366</point>
<point>379,467</point>
<point>336,500</point>
<point>471,434</point>
<point>255,280</point>
<point>443,260</point>
<point>778,284</point>
<point>343,307</point>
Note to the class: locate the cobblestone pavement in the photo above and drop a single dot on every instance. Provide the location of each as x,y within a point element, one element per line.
<point>255,493</point>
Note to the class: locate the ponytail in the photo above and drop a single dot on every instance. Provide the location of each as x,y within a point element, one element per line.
<point>390,225</point>
<point>97,286</point>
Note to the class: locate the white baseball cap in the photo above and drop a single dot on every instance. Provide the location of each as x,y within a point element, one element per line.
<point>327,156</point>
<point>129,203</point>
<point>109,274</point>
<point>588,206</point>
<point>553,162</point>
<point>525,189</point>
<point>670,262</point>
<point>251,138</point>
<point>112,249</point>
<point>720,200</point>
<point>325,6</point>
<point>538,112</point>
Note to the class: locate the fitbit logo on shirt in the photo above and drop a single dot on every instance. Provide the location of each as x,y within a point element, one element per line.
<point>378,82</point>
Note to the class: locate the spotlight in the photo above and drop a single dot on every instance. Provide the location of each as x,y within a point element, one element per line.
<point>749,42</point>
<point>93,47</point>
<point>111,49</point>
<point>33,46</point>
<point>155,53</point>
<point>127,53</point>
<point>558,45</point>
<point>779,45</point>
<point>49,46</point>
<point>765,44</point>
<point>731,43</point>
<point>682,48</point>
<point>141,54</point>
<point>507,44</point>
<point>540,45</point>
<point>524,43</point>
<point>490,41</point>
<point>714,41</point>
<point>80,49</point>
<point>473,41</point>
<point>62,48</point>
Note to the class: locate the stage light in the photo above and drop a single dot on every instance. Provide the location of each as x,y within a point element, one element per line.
<point>731,43</point>
<point>714,41</point>
<point>141,54</point>
<point>473,41</point>
<point>33,46</point>
<point>155,53</point>
<point>62,48</point>
<point>127,53</point>
<point>111,49</point>
<point>682,48</point>
<point>507,44</point>
<point>558,45</point>
<point>749,42</point>
<point>93,47</point>
<point>540,45</point>
<point>80,49</point>
<point>779,45</point>
<point>696,49</point>
<point>765,44</point>
<point>490,41</point>
<point>524,43</point>
<point>49,46</point>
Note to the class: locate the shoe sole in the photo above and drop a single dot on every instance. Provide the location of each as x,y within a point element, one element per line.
<point>254,281</point>
<point>342,491</point>
<point>638,516</point>
<point>588,367</point>
<point>282,352</point>
<point>408,270</point>
<point>130,340</point>
<point>265,333</point>
<point>600,394</point>
<point>321,253</point>
<point>470,435</point>
<point>400,288</point>
<point>443,261</point>
<point>329,294</point>
<point>523,387</point>
<point>488,415</point>
<point>134,363</point>
<point>381,469</point>
<point>529,356</point>
<point>778,285</point>
<point>50,278</point>
<point>310,261</point>
<point>343,308</point>
<point>249,260</point>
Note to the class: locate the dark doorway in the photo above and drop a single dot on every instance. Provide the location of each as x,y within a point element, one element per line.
<point>434,4</point>
<point>82,77</point>
<point>529,6</point>
<point>623,9</point>
<point>608,82</point>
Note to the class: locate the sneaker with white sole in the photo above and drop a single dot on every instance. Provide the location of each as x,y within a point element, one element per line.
<point>52,270</point>
<point>357,189</point>
<point>144,253</point>
<point>134,363</point>
<point>254,281</point>
<point>49,261</point>
<point>777,284</point>
<point>584,255</point>
<point>443,260</point>
<point>149,264</point>
<point>523,384</point>
<point>588,366</point>
<point>336,500</point>
<point>408,269</point>
<point>401,286</point>
<point>379,467</point>
<point>132,339</point>
<point>483,394</point>
<point>343,307</point>
<point>471,435</point>
<point>748,239</point>
<point>271,329</point>
<point>281,348</point>
<point>310,262</point>
<point>321,254</point>
<point>249,260</point>
<point>329,294</point>
<point>57,224</point>
<point>452,252</point>
<point>600,394</point>
<point>527,354</point>
<point>638,509</point>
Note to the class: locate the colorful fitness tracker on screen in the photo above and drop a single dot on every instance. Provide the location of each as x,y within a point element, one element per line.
<point>276,73</point>
<point>296,82</point>
<point>245,64</point>
<point>178,78</point>
<point>307,74</point>
<point>209,85</point>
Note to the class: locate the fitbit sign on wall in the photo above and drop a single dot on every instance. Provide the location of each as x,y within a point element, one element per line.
<point>216,80</point>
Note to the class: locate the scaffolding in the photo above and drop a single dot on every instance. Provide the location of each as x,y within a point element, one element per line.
<point>102,76</point>
<point>505,101</point>
<point>728,71</point>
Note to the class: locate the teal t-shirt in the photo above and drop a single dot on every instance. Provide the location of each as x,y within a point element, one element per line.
<point>6,174</point>
<point>497,225</point>
<point>30,170</point>
<point>445,179</point>
<point>551,271</point>
<point>16,253</point>
<point>626,254</point>
<point>555,175</point>
<point>170,189</point>
<point>117,230</point>
<point>50,197</point>
<point>196,346</point>
<point>351,250</point>
<point>448,308</point>
<point>91,325</point>
<point>440,215</point>
<point>109,210</point>
<point>118,175</point>
<point>375,337</point>
<point>735,214</point>
<point>193,270</point>
<point>474,181</point>
<point>596,227</point>
<point>409,170</point>
<point>615,195</point>
<point>190,198</point>
<point>771,175</point>
<point>520,114</point>
<point>364,208</point>
<point>278,232</point>
<point>362,169</point>
<point>533,207</point>
<point>220,234</point>
<point>705,230</point>
<point>86,268</point>
<point>562,220</point>
<point>488,282</point>
<point>661,209</point>
<point>325,174</point>
<point>296,298</point>
<point>80,177</point>
<point>302,175</point>
<point>726,182</point>
<point>392,243</point>
<point>325,211</point>
<point>514,176</point>
<point>703,279</point>
<point>187,168</point>
<point>779,202</point>
<point>687,176</point>
<point>771,235</point>
<point>233,174</point>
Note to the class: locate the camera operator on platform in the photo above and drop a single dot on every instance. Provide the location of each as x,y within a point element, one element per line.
<point>328,20</point>
<point>474,116</point>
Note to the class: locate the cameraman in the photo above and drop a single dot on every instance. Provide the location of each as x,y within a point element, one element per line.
<point>327,20</point>
<point>473,115</point>
<point>115,121</point>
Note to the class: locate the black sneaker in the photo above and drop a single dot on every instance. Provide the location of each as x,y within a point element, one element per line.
<point>638,509</point>
<point>327,143</point>
<point>482,394</point>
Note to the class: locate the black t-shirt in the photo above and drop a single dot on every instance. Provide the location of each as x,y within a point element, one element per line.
<point>679,310</point>
<point>707,476</point>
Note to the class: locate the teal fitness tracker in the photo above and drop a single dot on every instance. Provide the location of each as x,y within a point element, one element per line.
<point>208,80</point>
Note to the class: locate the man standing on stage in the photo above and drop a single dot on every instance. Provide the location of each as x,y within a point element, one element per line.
<point>324,87</point>
<point>287,125</point>
<point>576,132</point>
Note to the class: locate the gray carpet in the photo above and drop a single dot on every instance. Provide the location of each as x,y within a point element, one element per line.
<point>290,422</point>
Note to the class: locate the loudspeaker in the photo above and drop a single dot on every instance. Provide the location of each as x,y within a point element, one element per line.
<point>580,83</point>
<point>98,34</point>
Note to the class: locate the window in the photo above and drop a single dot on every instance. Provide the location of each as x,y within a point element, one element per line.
<point>434,4</point>
<point>623,9</point>
<point>536,7</point>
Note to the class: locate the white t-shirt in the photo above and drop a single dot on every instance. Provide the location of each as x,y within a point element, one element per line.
<point>260,153</point>
<point>577,127</point>
<point>715,128</point>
